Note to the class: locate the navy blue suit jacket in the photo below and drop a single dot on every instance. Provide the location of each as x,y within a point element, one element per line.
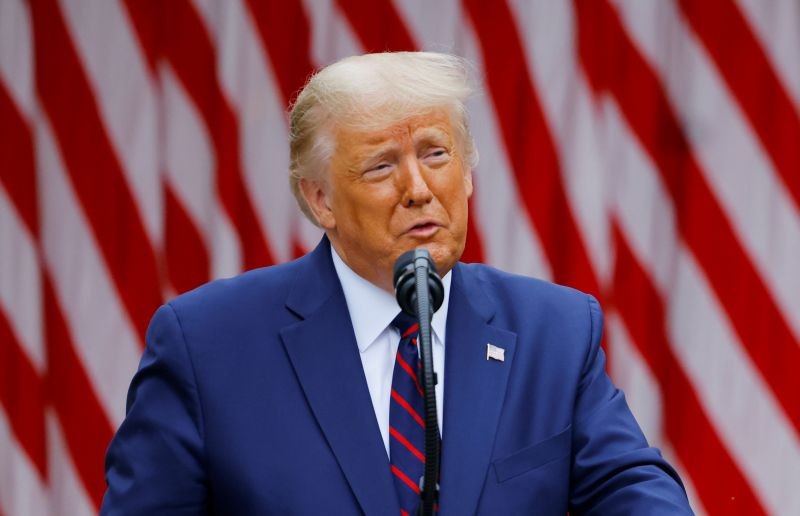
<point>251,399</point>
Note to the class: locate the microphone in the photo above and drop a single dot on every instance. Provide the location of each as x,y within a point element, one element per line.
<point>405,280</point>
<point>420,293</point>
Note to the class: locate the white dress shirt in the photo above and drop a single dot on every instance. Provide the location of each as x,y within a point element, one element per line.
<point>372,310</point>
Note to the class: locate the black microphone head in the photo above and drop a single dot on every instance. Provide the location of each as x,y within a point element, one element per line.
<point>405,281</point>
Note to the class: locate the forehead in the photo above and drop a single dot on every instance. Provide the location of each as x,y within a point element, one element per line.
<point>434,125</point>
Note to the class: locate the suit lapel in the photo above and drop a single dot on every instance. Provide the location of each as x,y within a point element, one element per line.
<point>324,354</point>
<point>474,392</point>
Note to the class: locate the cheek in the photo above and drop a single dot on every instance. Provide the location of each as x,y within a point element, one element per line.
<point>369,216</point>
<point>455,192</point>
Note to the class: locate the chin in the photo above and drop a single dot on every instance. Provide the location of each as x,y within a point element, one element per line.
<point>445,258</point>
<point>445,253</point>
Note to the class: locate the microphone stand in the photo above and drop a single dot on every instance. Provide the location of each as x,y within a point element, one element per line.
<point>416,269</point>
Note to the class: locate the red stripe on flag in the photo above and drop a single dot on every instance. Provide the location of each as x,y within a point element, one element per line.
<point>278,23</point>
<point>93,168</point>
<point>186,255</point>
<point>720,484</point>
<point>65,386</point>
<point>405,442</point>
<point>86,428</point>
<point>186,44</point>
<point>402,476</point>
<point>749,75</point>
<point>529,145</point>
<point>192,55</point>
<point>23,396</point>
<point>614,65</point>
<point>403,403</point>
<point>17,162</point>
<point>473,250</point>
<point>378,25</point>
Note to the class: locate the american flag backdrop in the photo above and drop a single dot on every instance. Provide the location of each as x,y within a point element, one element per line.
<point>645,151</point>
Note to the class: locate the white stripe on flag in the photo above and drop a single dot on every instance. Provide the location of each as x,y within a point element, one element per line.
<point>548,37</point>
<point>122,87</point>
<point>732,392</point>
<point>16,54</point>
<point>67,494</point>
<point>754,428</point>
<point>254,94</point>
<point>190,171</point>
<point>106,342</point>
<point>21,283</point>
<point>777,27</point>
<point>631,374</point>
<point>22,491</point>
<point>734,164</point>
<point>509,239</point>
<point>331,36</point>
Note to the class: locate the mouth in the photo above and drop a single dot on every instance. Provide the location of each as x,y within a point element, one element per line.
<point>423,229</point>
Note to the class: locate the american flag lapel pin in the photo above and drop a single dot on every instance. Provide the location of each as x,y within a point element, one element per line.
<point>495,353</point>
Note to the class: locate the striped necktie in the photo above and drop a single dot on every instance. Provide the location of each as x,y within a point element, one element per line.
<point>406,417</point>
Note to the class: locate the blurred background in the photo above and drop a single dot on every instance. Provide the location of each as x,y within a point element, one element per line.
<point>645,151</point>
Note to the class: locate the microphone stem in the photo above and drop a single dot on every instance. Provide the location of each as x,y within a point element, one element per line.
<point>424,310</point>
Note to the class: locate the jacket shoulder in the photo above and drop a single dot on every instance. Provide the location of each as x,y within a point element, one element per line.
<point>524,293</point>
<point>262,285</point>
<point>263,290</point>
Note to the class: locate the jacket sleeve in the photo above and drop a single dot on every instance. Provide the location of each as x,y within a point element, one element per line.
<point>614,470</point>
<point>154,464</point>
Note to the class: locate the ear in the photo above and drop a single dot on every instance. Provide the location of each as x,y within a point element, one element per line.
<point>468,183</point>
<point>317,199</point>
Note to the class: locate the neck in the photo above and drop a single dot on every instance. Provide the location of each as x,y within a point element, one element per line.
<point>371,272</point>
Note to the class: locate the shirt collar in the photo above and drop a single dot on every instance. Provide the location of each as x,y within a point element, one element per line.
<point>372,309</point>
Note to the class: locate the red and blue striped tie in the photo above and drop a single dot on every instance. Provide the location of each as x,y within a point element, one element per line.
<point>406,417</point>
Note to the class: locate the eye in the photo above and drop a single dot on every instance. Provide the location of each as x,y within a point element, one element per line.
<point>377,171</point>
<point>435,155</point>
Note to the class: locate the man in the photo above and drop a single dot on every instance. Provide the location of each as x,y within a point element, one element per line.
<point>278,392</point>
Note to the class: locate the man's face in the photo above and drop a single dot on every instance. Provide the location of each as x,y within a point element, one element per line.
<point>393,190</point>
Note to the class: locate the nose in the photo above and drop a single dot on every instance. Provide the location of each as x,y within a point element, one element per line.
<point>415,187</point>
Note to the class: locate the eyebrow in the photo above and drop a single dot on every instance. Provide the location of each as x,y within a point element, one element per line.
<point>380,146</point>
<point>376,150</point>
<point>431,134</point>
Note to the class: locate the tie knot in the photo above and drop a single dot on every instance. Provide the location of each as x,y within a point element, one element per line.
<point>405,324</point>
